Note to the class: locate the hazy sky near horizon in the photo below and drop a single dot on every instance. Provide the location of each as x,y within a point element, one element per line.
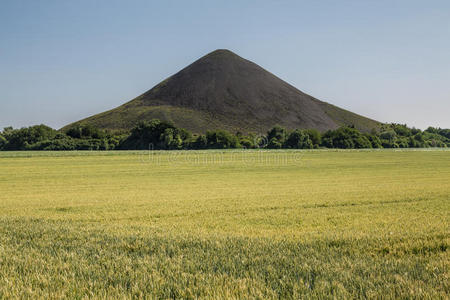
<point>61,61</point>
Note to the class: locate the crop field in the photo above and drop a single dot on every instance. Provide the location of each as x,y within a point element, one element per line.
<point>225,224</point>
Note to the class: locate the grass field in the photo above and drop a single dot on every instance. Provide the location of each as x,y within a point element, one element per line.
<point>270,224</point>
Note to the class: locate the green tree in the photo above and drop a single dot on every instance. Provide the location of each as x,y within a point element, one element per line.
<point>374,140</point>
<point>314,136</point>
<point>276,137</point>
<point>23,138</point>
<point>345,138</point>
<point>155,134</point>
<point>389,135</point>
<point>86,131</point>
<point>171,139</point>
<point>298,139</point>
<point>200,142</point>
<point>3,142</point>
<point>221,139</point>
<point>401,129</point>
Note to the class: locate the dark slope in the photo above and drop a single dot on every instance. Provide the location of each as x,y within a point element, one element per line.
<point>223,90</point>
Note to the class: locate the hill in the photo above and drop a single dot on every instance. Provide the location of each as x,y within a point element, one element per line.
<point>222,90</point>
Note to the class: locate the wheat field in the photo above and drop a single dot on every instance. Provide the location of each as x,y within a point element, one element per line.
<point>225,224</point>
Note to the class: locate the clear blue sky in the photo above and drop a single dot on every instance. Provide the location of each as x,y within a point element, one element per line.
<point>64,60</point>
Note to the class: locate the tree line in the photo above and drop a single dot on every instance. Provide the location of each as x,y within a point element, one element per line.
<point>162,135</point>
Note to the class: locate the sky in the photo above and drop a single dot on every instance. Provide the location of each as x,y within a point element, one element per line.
<point>61,61</point>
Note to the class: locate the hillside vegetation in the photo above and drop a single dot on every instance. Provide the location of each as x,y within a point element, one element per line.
<point>225,224</point>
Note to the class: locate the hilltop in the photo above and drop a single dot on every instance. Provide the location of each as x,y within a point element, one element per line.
<point>222,90</point>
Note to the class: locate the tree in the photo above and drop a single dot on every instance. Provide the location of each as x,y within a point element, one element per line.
<point>374,140</point>
<point>23,138</point>
<point>274,143</point>
<point>413,143</point>
<point>221,139</point>
<point>314,136</point>
<point>3,142</point>
<point>415,131</point>
<point>155,134</point>
<point>345,138</point>
<point>362,142</point>
<point>327,139</point>
<point>401,130</point>
<point>444,132</point>
<point>246,142</point>
<point>298,139</point>
<point>200,142</point>
<point>74,132</point>
<point>85,131</point>
<point>171,139</point>
<point>276,137</point>
<point>389,135</point>
<point>402,142</point>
